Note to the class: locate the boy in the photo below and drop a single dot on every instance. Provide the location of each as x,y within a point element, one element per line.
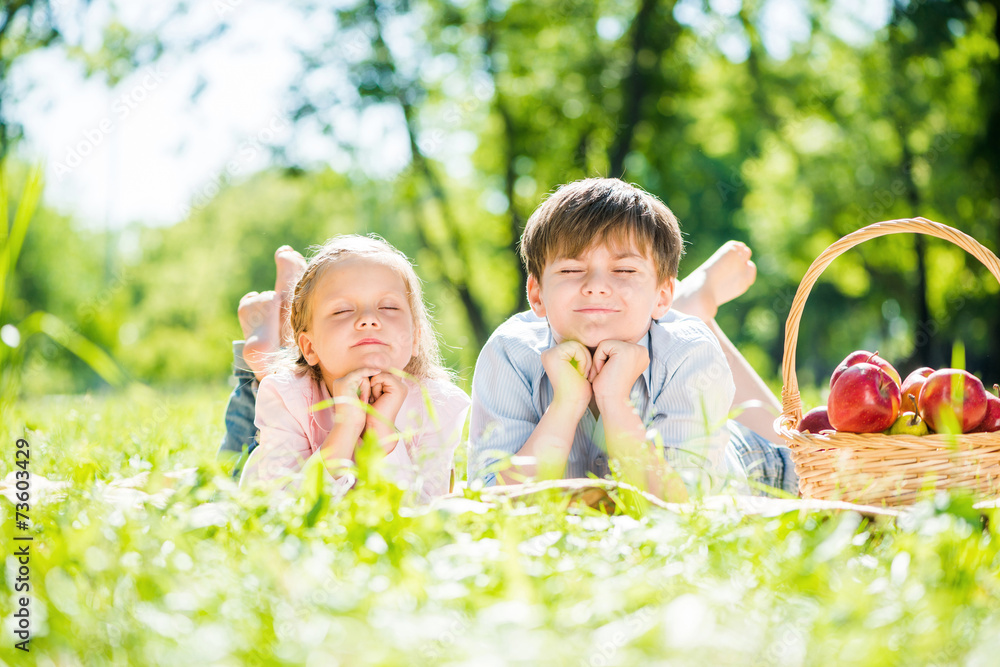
<point>601,367</point>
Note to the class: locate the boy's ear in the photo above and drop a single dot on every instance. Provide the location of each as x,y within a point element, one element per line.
<point>306,347</point>
<point>535,296</point>
<point>665,298</point>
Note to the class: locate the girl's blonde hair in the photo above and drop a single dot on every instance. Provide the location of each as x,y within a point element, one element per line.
<point>426,363</point>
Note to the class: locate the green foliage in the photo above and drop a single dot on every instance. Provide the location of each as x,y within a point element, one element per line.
<point>194,273</point>
<point>17,333</point>
<point>502,103</point>
<point>199,572</point>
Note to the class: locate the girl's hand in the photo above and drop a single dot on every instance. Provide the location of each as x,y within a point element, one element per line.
<point>350,393</point>
<point>388,391</point>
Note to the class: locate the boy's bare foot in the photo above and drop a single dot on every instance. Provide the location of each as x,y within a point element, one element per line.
<point>724,276</point>
<point>291,265</point>
<point>258,313</point>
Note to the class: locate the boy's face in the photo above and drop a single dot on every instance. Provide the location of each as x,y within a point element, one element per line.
<point>607,293</point>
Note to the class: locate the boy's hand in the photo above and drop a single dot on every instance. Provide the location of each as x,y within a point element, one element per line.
<point>388,392</point>
<point>617,365</point>
<point>568,366</point>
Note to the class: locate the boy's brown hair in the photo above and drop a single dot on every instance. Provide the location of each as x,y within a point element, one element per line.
<point>601,210</point>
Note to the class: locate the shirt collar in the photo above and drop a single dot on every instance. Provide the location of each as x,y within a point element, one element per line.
<point>647,342</point>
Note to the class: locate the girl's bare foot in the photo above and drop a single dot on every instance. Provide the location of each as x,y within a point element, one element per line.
<point>258,313</point>
<point>291,265</point>
<point>264,315</point>
<point>724,276</point>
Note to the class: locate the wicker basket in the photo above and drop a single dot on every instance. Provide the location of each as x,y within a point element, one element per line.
<point>873,468</point>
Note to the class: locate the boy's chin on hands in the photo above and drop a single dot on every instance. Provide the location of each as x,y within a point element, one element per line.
<point>617,365</point>
<point>568,366</point>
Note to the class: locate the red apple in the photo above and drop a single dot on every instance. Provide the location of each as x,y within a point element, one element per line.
<point>864,399</point>
<point>991,422</point>
<point>914,382</point>
<point>815,420</point>
<point>951,395</point>
<point>864,357</point>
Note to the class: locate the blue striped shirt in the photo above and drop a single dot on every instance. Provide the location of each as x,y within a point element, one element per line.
<point>683,397</point>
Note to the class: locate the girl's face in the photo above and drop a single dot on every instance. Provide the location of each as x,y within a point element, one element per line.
<point>361,318</point>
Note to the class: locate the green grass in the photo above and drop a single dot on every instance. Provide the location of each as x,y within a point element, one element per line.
<point>215,576</point>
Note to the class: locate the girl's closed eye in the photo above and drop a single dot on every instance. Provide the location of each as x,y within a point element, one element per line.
<point>391,304</point>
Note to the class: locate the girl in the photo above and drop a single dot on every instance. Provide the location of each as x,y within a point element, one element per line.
<point>366,361</point>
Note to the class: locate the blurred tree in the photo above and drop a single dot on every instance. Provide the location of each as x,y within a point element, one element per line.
<point>787,148</point>
<point>786,153</point>
<point>20,323</point>
<point>25,25</point>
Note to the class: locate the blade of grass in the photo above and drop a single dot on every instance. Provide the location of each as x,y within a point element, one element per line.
<point>14,238</point>
<point>958,355</point>
<point>4,215</point>
<point>60,332</point>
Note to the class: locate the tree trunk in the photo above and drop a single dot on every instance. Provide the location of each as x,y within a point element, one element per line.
<point>924,328</point>
<point>634,91</point>
<point>988,151</point>
<point>516,222</point>
<point>459,283</point>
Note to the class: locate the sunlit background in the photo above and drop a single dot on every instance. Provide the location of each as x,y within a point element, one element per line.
<point>182,142</point>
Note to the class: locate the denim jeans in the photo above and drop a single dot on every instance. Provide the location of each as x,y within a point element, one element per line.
<point>765,463</point>
<point>241,433</point>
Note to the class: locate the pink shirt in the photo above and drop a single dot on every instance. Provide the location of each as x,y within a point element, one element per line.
<point>290,432</point>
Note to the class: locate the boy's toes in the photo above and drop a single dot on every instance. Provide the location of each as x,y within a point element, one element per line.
<point>737,247</point>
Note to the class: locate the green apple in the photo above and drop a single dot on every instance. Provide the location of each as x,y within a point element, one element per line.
<point>909,423</point>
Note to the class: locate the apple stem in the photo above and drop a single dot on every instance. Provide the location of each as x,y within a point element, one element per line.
<point>913,400</point>
<point>996,390</point>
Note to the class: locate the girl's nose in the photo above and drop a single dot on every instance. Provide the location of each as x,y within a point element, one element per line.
<point>368,319</point>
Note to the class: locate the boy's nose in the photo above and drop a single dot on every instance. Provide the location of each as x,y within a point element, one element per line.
<point>596,284</point>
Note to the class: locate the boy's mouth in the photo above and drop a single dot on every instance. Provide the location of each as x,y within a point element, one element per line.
<point>596,311</point>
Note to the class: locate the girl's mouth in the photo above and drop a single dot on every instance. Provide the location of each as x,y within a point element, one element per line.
<point>368,341</point>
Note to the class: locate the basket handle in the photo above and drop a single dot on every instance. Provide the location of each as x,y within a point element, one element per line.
<point>791,403</point>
